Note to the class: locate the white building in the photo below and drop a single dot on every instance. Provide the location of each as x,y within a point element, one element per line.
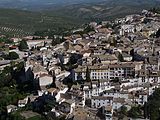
<point>110,71</point>
<point>127,57</point>
<point>11,108</point>
<point>99,101</point>
<point>127,29</point>
<point>45,80</point>
<point>97,88</point>
<point>22,103</point>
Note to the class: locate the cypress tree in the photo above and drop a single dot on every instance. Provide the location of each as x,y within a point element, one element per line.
<point>88,79</point>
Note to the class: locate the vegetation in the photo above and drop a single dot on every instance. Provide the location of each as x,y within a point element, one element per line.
<point>86,30</point>
<point>65,18</point>
<point>135,112</point>
<point>5,77</point>
<point>116,80</point>
<point>43,104</point>
<point>13,56</point>
<point>52,32</point>
<point>113,41</point>
<point>155,10</point>
<point>23,45</point>
<point>15,116</point>
<point>57,40</point>
<point>5,40</point>
<point>122,112</point>
<point>9,91</point>
<point>29,22</point>
<point>88,79</point>
<point>120,57</point>
<point>153,106</point>
<point>36,118</point>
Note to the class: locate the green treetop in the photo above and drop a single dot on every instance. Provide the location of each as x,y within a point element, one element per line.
<point>13,56</point>
<point>23,45</point>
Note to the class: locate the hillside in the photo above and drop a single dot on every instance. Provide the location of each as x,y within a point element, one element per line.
<point>43,15</point>
<point>41,4</point>
<point>21,22</point>
<point>48,4</point>
<point>105,9</point>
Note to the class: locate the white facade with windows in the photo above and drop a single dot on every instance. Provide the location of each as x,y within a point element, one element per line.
<point>99,101</point>
<point>96,90</point>
<point>110,71</point>
<point>127,29</point>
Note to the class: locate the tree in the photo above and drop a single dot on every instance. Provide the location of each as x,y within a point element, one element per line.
<point>113,41</point>
<point>75,58</point>
<point>3,112</point>
<point>155,10</point>
<point>123,112</point>
<point>120,57</point>
<point>116,80</point>
<point>6,78</point>
<point>13,56</point>
<point>88,29</point>
<point>9,92</point>
<point>15,116</point>
<point>5,40</point>
<point>145,109</point>
<point>57,40</point>
<point>153,105</point>
<point>135,112</point>
<point>88,79</point>
<point>53,42</point>
<point>53,84</point>
<point>23,45</point>
<point>108,25</point>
